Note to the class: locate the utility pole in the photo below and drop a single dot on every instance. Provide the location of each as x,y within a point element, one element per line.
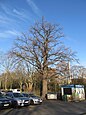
<point>68,80</point>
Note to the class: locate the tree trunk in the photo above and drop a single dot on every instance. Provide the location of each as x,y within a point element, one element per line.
<point>44,90</point>
<point>20,85</point>
<point>6,82</point>
<point>30,87</point>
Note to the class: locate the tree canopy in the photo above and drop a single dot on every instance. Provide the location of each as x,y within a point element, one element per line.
<point>42,47</point>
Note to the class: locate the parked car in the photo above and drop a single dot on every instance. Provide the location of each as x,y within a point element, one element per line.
<point>19,98</point>
<point>4,102</point>
<point>13,102</point>
<point>33,98</point>
<point>51,95</point>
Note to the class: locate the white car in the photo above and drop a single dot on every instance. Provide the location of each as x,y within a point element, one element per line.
<point>33,99</point>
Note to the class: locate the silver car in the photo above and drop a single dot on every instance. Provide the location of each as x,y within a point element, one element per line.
<point>19,98</point>
<point>33,99</point>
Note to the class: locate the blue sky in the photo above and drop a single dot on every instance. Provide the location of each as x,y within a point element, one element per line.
<point>17,16</point>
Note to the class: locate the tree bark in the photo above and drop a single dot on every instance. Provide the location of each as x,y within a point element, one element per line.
<point>44,90</point>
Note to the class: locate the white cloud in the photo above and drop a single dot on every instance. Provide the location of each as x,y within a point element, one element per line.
<point>17,12</point>
<point>9,34</point>
<point>3,21</point>
<point>6,9</point>
<point>13,12</point>
<point>34,7</point>
<point>6,20</point>
<point>22,14</point>
<point>13,32</point>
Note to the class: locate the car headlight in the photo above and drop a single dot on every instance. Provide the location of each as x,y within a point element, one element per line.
<point>19,101</point>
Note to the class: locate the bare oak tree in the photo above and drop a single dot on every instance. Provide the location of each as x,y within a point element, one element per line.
<point>43,49</point>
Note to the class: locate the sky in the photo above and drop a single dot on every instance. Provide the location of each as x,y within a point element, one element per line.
<point>17,16</point>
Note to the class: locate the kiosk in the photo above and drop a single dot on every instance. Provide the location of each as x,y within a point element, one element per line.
<point>73,92</point>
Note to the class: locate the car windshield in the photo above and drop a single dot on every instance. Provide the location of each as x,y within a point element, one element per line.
<point>17,95</point>
<point>32,95</point>
<point>1,95</point>
<point>26,95</point>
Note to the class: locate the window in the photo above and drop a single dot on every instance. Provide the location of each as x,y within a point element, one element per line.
<point>17,95</point>
<point>67,91</point>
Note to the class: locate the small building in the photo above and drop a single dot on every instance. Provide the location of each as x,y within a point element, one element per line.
<point>73,92</point>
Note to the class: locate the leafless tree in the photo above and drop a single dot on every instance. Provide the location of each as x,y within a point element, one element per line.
<point>6,66</point>
<point>43,49</point>
<point>78,71</point>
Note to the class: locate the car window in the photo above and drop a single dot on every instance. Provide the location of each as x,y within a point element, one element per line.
<point>26,95</point>
<point>9,95</point>
<point>1,95</point>
<point>32,95</point>
<point>17,95</point>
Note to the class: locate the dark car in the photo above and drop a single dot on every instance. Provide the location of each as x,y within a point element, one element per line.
<point>4,102</point>
<point>13,102</point>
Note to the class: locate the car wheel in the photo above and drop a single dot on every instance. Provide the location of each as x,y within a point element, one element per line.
<point>16,105</point>
<point>31,102</point>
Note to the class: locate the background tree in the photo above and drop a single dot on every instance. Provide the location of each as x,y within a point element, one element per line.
<point>78,74</point>
<point>42,48</point>
<point>7,65</point>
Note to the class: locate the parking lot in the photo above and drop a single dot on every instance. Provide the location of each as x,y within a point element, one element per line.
<point>49,107</point>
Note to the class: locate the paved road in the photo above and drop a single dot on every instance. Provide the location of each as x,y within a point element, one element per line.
<point>50,107</point>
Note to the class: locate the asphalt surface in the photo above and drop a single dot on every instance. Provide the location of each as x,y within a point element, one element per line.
<point>49,107</point>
